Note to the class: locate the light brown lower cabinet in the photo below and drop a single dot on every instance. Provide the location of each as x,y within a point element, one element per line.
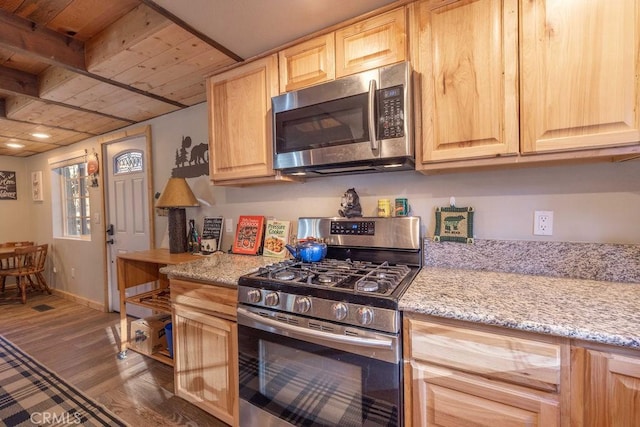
<point>459,374</point>
<point>606,387</point>
<point>205,336</point>
<point>444,397</point>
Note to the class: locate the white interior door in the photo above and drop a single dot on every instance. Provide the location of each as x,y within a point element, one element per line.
<point>127,209</point>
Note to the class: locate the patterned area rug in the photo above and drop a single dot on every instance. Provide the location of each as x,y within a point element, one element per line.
<point>32,395</point>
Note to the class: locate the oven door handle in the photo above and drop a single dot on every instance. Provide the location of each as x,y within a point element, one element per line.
<point>280,327</point>
<point>372,117</point>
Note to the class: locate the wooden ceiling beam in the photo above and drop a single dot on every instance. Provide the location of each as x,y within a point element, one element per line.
<point>18,34</point>
<point>173,18</point>
<point>18,82</point>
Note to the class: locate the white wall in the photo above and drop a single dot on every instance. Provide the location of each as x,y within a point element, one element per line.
<point>591,203</point>
<point>14,223</point>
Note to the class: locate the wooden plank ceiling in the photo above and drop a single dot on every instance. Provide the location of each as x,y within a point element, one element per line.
<point>74,69</point>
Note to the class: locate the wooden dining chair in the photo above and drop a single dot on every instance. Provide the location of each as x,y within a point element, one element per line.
<point>27,267</point>
<point>7,262</point>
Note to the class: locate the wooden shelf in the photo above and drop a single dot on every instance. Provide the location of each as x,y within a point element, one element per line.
<point>157,299</point>
<point>161,356</point>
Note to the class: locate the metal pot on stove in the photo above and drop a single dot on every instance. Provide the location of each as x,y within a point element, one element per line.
<point>308,250</point>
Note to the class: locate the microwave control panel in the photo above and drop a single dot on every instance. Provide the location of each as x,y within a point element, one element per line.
<point>390,112</point>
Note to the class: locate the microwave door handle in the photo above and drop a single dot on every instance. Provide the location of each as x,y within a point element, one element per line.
<point>372,119</point>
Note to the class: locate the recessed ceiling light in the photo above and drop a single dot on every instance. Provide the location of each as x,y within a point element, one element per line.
<point>41,135</point>
<point>14,145</point>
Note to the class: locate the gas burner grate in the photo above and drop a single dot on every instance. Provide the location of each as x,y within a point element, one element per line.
<point>358,276</point>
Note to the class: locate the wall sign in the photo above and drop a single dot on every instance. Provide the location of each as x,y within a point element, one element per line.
<point>454,224</point>
<point>8,189</point>
<point>192,160</point>
<point>211,234</point>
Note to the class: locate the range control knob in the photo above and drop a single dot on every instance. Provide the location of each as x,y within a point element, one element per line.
<point>254,295</point>
<point>365,315</point>
<point>340,310</point>
<point>303,304</point>
<point>271,299</point>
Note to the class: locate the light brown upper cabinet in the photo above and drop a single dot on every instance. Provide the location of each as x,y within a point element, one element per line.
<point>466,59</point>
<point>505,82</point>
<point>307,63</point>
<point>372,43</point>
<point>368,44</point>
<point>580,74</point>
<point>240,130</point>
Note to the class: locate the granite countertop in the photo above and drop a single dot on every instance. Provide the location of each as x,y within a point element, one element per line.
<point>220,268</point>
<point>605,312</point>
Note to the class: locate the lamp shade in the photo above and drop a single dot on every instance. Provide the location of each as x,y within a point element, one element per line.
<point>177,194</point>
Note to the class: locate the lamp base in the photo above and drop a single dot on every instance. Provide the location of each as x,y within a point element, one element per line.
<point>177,230</point>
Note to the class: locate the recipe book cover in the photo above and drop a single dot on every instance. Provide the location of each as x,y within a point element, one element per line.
<point>276,235</point>
<point>248,236</point>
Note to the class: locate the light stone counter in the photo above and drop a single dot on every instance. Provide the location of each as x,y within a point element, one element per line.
<point>224,269</point>
<point>605,312</point>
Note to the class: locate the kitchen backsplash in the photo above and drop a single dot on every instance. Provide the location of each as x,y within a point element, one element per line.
<point>608,262</point>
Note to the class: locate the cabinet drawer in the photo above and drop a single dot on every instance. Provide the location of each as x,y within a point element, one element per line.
<point>506,357</point>
<point>217,299</point>
<point>456,399</point>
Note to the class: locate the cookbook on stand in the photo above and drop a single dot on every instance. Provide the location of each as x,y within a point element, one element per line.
<point>248,237</point>
<point>277,235</point>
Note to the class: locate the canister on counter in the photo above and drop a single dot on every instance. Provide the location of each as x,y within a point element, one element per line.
<point>384,208</point>
<point>402,207</point>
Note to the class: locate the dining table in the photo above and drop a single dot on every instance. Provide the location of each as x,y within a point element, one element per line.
<point>6,252</point>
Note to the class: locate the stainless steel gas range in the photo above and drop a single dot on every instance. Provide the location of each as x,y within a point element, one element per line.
<point>320,343</point>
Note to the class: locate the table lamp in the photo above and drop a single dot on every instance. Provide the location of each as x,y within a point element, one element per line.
<point>176,196</point>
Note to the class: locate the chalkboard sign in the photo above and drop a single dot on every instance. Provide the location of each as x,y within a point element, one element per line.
<point>211,240</point>
<point>8,189</point>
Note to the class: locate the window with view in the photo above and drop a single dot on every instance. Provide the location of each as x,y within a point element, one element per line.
<point>74,197</point>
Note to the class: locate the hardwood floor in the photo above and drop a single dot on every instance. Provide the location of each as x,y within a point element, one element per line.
<point>80,344</point>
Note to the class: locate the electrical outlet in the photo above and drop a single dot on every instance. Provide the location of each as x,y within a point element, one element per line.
<point>543,223</point>
<point>73,273</point>
<point>228,225</point>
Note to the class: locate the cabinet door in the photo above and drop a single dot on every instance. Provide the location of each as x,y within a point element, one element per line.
<point>206,362</point>
<point>606,387</point>
<point>240,129</point>
<point>307,63</point>
<point>467,59</point>
<point>446,398</point>
<point>580,71</point>
<point>372,43</point>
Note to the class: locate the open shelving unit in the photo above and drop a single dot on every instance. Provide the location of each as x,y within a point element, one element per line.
<point>136,268</point>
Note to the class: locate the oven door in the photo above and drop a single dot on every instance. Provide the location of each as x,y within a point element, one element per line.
<point>289,376</point>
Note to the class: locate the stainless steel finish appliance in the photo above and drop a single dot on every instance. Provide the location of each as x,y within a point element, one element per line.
<point>359,123</point>
<point>320,343</point>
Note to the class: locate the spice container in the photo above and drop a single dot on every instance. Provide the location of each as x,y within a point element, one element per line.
<point>384,208</point>
<point>402,207</point>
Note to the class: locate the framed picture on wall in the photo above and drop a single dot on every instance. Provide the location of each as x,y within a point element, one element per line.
<point>8,188</point>
<point>36,186</point>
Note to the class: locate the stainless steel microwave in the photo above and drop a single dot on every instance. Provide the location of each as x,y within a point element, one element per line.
<point>355,124</point>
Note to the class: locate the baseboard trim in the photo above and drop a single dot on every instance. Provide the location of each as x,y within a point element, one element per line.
<point>80,300</point>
